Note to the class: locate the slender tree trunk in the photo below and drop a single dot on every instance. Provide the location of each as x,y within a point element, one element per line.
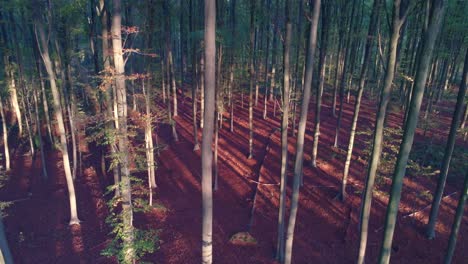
<point>5,137</point>
<point>207,138</point>
<point>44,49</point>
<point>399,15</point>
<point>252,75</point>
<point>318,96</point>
<point>301,131</point>
<point>374,22</point>
<point>39,131</point>
<point>456,223</point>
<point>280,246</point>
<point>202,91</point>
<point>448,152</point>
<point>196,145</point>
<point>169,58</point>
<point>344,74</point>
<point>437,13</point>
<point>121,96</point>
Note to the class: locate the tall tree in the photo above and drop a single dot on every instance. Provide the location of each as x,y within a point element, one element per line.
<point>121,96</point>
<point>456,222</point>
<point>43,44</point>
<point>301,130</point>
<point>448,152</point>
<point>252,75</point>
<point>280,254</point>
<point>373,23</point>
<point>400,12</point>
<point>437,15</point>
<point>322,63</point>
<point>207,137</point>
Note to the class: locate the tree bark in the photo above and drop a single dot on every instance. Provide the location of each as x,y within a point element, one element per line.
<point>280,246</point>
<point>373,24</point>
<point>456,223</point>
<point>448,152</point>
<point>301,131</point>
<point>207,138</point>
<point>5,138</point>
<point>400,11</point>
<point>252,75</point>
<point>121,96</point>
<point>318,96</point>
<point>437,14</point>
<point>44,50</point>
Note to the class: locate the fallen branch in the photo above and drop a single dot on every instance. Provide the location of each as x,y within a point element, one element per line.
<point>428,206</point>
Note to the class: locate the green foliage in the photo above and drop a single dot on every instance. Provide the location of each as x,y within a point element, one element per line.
<point>144,242</point>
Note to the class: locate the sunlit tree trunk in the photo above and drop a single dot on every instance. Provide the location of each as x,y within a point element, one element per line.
<point>448,152</point>
<point>400,11</point>
<point>374,22</point>
<point>251,75</point>
<point>437,14</point>
<point>344,74</point>
<point>318,96</point>
<point>44,50</point>
<point>301,130</point>
<point>121,96</point>
<point>207,138</point>
<point>5,138</point>
<point>169,58</point>
<point>280,253</point>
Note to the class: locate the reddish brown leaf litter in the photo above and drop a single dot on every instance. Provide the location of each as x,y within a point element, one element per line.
<point>326,231</point>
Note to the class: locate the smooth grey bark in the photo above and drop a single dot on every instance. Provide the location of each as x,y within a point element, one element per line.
<point>400,12</point>
<point>448,153</point>
<point>5,137</point>
<point>196,145</point>
<point>121,98</point>
<point>437,14</point>
<point>319,93</point>
<point>373,24</point>
<point>169,57</point>
<point>251,75</point>
<point>456,223</point>
<point>207,137</point>
<point>344,74</point>
<point>43,43</point>
<point>301,130</point>
<point>280,253</point>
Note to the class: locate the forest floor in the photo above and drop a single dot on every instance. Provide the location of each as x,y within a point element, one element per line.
<point>326,230</point>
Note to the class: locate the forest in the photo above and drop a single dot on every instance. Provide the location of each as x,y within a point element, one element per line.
<point>233,131</point>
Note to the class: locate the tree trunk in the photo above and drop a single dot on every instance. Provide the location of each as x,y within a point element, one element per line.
<point>456,223</point>
<point>169,58</point>
<point>374,22</point>
<point>39,131</point>
<point>5,138</point>
<point>437,14</point>
<point>121,95</point>
<point>280,246</point>
<point>252,75</point>
<point>301,131</point>
<point>207,138</point>
<point>344,74</point>
<point>399,15</point>
<point>318,96</point>
<point>448,152</point>
<point>44,50</point>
